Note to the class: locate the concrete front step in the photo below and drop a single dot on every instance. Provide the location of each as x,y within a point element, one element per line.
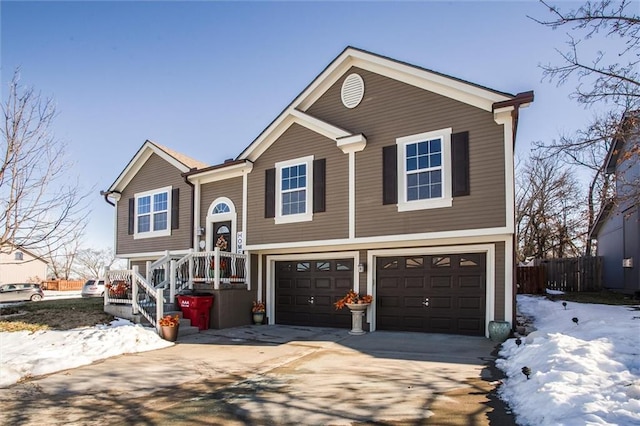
<point>185,325</point>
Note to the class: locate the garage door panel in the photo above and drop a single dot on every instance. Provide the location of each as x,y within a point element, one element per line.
<point>389,283</point>
<point>470,303</point>
<point>454,284</point>
<point>414,282</point>
<point>283,284</point>
<point>301,300</point>
<point>442,324</point>
<point>323,301</point>
<point>470,282</point>
<point>389,302</point>
<point>440,303</point>
<point>413,302</point>
<point>323,283</point>
<point>440,282</point>
<point>471,326</point>
<point>344,283</point>
<point>302,283</point>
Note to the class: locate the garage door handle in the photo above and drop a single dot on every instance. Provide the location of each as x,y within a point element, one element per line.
<point>426,302</point>
<point>311,301</point>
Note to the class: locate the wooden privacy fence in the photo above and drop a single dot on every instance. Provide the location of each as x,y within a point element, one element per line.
<point>566,274</point>
<point>530,279</point>
<point>63,285</point>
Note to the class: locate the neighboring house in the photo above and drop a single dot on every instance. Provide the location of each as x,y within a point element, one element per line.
<point>381,176</point>
<point>617,227</point>
<point>22,266</point>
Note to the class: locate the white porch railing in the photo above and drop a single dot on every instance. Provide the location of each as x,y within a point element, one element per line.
<point>214,270</point>
<point>142,297</point>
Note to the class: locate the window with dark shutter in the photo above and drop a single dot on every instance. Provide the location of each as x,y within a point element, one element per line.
<point>319,178</point>
<point>270,193</point>
<point>132,212</point>
<point>390,174</point>
<point>175,208</point>
<point>460,164</point>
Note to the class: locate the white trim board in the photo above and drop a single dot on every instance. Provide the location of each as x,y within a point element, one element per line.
<point>431,238</point>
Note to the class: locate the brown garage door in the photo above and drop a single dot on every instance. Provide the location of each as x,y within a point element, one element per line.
<point>434,294</point>
<point>307,289</point>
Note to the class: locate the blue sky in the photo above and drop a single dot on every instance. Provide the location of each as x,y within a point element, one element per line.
<point>205,78</point>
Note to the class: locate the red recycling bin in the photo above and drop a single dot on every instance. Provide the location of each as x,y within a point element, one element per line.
<point>196,308</point>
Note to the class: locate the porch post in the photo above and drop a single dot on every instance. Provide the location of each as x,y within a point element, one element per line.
<point>172,281</point>
<point>148,271</point>
<point>216,273</point>
<point>191,263</point>
<point>134,290</point>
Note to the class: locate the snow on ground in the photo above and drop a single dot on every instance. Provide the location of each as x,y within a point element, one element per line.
<point>24,354</point>
<point>584,373</point>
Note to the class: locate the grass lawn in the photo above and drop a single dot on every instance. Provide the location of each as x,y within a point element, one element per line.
<point>62,314</point>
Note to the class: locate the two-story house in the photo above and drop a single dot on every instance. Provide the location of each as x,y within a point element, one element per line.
<point>381,176</point>
<point>617,227</point>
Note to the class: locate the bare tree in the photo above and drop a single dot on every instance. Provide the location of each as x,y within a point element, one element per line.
<point>608,80</point>
<point>548,210</point>
<point>63,258</point>
<point>91,263</point>
<point>40,205</point>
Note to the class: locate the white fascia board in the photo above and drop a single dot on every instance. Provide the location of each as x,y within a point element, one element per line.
<point>222,173</point>
<point>136,163</point>
<point>318,126</point>
<point>466,236</point>
<point>278,127</point>
<point>442,85</point>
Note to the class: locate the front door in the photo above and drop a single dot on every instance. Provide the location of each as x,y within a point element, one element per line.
<point>222,235</point>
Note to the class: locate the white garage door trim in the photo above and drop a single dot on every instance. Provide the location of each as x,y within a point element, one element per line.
<point>271,272</point>
<point>488,249</point>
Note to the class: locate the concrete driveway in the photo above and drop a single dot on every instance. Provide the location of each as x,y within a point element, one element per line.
<point>274,375</point>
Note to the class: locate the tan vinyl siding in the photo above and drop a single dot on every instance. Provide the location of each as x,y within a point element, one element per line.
<point>230,188</point>
<point>155,173</point>
<point>294,143</point>
<point>391,109</point>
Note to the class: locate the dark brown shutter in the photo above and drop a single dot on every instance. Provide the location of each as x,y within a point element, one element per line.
<point>390,174</point>
<point>460,163</point>
<point>270,193</point>
<point>132,212</point>
<point>175,208</point>
<point>319,178</point>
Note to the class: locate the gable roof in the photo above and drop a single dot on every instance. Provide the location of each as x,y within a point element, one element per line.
<point>176,159</point>
<point>461,90</point>
<point>30,253</point>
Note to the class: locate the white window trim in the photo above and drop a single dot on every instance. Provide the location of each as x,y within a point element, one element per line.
<point>152,234</point>
<point>212,218</point>
<point>300,217</point>
<point>446,200</point>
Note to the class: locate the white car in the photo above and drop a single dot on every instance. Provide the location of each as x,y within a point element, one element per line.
<point>93,288</point>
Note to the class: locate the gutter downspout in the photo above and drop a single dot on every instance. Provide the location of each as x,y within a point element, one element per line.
<point>191,213</point>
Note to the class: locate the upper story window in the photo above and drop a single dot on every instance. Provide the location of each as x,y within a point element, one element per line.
<point>153,213</point>
<point>294,189</point>
<point>424,165</point>
<point>18,256</point>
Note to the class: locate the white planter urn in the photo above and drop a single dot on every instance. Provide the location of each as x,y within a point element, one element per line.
<point>357,313</point>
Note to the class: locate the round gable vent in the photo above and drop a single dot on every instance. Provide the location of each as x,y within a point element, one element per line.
<point>352,90</point>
